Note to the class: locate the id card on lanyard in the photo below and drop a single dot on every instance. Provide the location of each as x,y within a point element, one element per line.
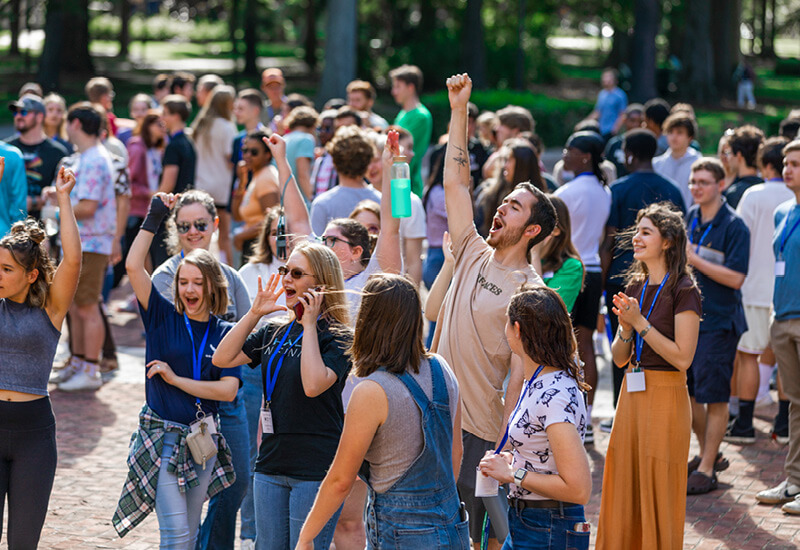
<point>270,381</point>
<point>197,358</point>
<point>634,379</point>
<point>780,263</point>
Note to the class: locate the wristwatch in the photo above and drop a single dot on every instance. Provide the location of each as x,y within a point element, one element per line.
<point>519,475</point>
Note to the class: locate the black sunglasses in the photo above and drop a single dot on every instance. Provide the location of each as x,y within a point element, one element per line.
<point>295,272</point>
<point>253,151</point>
<point>21,112</point>
<point>330,241</point>
<point>184,227</point>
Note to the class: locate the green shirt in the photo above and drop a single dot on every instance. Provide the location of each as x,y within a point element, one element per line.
<point>419,123</point>
<point>567,281</point>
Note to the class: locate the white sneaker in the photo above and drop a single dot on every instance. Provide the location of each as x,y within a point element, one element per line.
<point>65,373</point>
<point>783,493</point>
<point>87,378</point>
<point>248,544</point>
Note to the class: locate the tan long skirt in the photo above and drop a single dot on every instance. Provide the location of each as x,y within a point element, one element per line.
<point>643,504</point>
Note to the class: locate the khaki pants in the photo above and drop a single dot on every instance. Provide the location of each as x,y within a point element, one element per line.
<point>785,338</point>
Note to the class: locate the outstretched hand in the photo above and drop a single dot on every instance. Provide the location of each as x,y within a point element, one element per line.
<point>65,181</point>
<point>169,199</point>
<point>459,88</point>
<point>265,300</point>
<point>276,146</point>
<point>391,149</point>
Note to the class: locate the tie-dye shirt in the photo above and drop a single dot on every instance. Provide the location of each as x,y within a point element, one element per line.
<point>94,176</point>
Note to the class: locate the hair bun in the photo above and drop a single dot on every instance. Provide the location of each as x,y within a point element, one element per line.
<point>29,228</point>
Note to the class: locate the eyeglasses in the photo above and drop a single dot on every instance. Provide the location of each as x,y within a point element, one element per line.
<point>295,272</point>
<point>704,183</point>
<point>330,241</point>
<point>254,151</point>
<point>200,225</point>
<point>21,112</point>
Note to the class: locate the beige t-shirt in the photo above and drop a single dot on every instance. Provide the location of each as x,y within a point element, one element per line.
<point>470,334</point>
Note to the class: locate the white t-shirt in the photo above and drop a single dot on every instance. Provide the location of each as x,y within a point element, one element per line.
<point>250,272</point>
<point>355,284</point>
<point>757,208</point>
<point>678,171</point>
<point>589,203</point>
<point>552,398</point>
<point>413,227</point>
<point>213,173</point>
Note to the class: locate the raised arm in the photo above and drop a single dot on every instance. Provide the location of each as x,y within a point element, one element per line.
<point>387,249</point>
<point>65,280</point>
<point>439,288</point>
<point>456,164</point>
<point>294,206</point>
<point>160,206</point>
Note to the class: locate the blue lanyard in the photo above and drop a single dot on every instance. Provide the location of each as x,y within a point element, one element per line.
<point>786,233</point>
<point>585,174</point>
<point>639,339</point>
<point>702,238</point>
<point>176,134</point>
<point>516,409</point>
<point>196,357</point>
<point>775,179</point>
<point>271,382</point>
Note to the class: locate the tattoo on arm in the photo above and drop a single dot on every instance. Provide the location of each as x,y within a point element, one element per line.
<point>460,158</point>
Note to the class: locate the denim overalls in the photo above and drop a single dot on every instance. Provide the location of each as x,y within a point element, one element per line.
<point>422,509</point>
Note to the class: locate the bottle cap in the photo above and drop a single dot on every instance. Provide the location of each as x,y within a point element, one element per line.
<point>401,158</point>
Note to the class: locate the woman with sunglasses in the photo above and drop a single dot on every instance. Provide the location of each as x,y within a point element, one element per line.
<point>182,388</point>
<point>261,193</point>
<point>190,227</point>
<point>304,365</point>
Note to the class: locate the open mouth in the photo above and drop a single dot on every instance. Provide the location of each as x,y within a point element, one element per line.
<point>497,224</point>
<point>192,301</point>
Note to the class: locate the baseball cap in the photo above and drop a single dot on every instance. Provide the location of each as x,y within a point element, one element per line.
<point>28,102</point>
<point>272,75</point>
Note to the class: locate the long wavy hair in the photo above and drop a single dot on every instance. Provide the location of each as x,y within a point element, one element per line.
<point>25,243</point>
<point>546,330</point>
<point>328,272</point>
<point>561,247</point>
<point>219,105</point>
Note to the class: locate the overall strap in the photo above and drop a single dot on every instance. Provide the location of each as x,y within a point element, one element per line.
<point>440,394</point>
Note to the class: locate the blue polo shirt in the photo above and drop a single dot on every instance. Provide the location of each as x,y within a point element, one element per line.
<point>786,298</point>
<point>725,241</point>
<point>168,340</point>
<point>629,195</point>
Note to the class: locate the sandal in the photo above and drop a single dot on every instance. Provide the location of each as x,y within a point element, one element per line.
<point>700,484</point>
<point>719,466</point>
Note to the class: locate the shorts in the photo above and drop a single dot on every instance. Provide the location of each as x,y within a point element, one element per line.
<point>709,377</point>
<point>474,450</point>
<point>587,305</point>
<point>756,339</point>
<point>90,282</point>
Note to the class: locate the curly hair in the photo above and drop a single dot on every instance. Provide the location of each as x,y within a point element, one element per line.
<point>25,243</point>
<point>352,151</point>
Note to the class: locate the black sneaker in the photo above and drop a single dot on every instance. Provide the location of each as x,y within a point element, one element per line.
<point>588,438</point>
<point>606,425</point>
<point>780,434</point>
<point>740,436</point>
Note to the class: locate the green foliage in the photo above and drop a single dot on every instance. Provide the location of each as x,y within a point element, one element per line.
<point>789,67</point>
<point>159,27</point>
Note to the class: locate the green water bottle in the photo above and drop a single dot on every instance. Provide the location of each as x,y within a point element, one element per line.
<point>401,188</point>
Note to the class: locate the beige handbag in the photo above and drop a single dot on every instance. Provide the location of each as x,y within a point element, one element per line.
<point>201,442</point>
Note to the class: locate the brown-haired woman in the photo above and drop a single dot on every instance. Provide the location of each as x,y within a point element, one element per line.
<point>34,298</point>
<point>183,387</point>
<point>557,259</point>
<point>404,420</point>
<point>547,465</point>
<point>644,482</point>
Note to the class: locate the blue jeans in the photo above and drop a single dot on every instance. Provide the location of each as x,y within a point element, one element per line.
<point>430,269</point>
<point>219,528</point>
<point>179,513</point>
<point>546,528</point>
<point>253,396</point>
<point>282,504</point>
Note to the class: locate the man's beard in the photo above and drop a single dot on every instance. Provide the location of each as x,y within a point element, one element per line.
<point>507,239</point>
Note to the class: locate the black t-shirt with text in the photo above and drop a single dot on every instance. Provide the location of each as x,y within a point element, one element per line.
<point>41,163</point>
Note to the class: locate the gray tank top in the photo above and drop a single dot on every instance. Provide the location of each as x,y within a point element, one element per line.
<point>28,342</point>
<point>398,442</point>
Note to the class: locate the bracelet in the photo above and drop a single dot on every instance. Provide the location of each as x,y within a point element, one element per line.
<point>645,330</point>
<point>621,337</point>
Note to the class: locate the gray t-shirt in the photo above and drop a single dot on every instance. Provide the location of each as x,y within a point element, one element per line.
<point>238,298</point>
<point>338,203</point>
<point>399,441</point>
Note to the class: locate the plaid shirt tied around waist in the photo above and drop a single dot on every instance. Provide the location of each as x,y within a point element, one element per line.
<point>144,461</point>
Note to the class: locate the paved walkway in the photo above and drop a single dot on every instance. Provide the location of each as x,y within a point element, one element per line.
<point>94,430</point>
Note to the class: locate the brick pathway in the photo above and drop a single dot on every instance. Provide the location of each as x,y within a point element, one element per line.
<point>94,430</point>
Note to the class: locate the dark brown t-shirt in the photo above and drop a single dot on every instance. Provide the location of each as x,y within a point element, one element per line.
<point>681,297</point>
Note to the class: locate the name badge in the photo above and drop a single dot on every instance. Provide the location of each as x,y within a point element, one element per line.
<point>634,380</point>
<point>266,421</point>
<point>780,268</point>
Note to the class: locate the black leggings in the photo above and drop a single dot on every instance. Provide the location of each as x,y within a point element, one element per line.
<point>27,468</point>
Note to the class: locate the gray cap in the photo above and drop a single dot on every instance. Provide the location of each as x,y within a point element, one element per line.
<point>28,102</point>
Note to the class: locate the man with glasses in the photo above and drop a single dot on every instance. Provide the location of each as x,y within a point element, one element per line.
<point>40,153</point>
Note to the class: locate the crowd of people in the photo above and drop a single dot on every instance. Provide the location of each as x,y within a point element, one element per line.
<point>336,375</point>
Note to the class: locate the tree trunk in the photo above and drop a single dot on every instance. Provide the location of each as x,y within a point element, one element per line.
<point>762,28</point>
<point>124,29</point>
<point>233,27</point>
<point>340,49</point>
<point>14,22</point>
<point>65,51</point>
<point>310,42</point>
<point>697,53</point>
<point>620,48</point>
<point>677,30</point>
<point>250,40</point>
<point>643,56</point>
<point>519,78</point>
<point>473,48</point>
<point>770,49</point>
<point>725,30</point>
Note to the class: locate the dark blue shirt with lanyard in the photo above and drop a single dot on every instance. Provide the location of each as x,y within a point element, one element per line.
<point>168,340</point>
<point>725,240</point>
<point>306,429</point>
<point>786,245</point>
